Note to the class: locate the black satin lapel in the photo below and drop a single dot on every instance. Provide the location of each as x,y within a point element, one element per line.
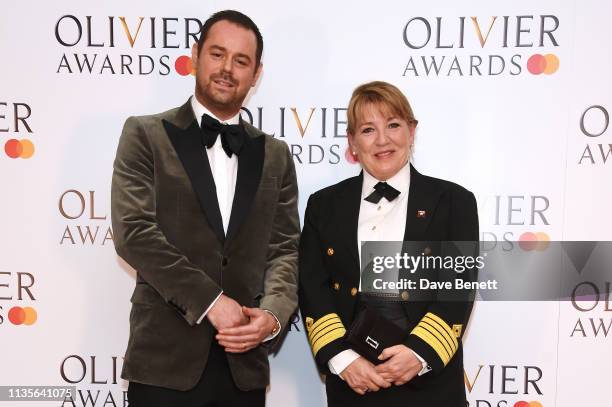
<point>250,165</point>
<point>422,202</point>
<point>347,211</point>
<point>188,146</point>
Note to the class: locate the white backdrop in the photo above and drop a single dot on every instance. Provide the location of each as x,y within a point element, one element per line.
<point>526,144</point>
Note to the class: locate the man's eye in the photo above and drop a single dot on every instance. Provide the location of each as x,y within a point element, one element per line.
<point>242,62</point>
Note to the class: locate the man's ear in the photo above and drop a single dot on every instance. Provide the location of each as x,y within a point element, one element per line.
<point>194,55</point>
<point>257,74</point>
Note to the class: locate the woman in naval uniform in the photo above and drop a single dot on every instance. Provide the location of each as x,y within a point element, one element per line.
<point>389,200</point>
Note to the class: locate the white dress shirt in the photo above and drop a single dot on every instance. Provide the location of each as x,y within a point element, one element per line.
<point>224,171</point>
<point>383,221</point>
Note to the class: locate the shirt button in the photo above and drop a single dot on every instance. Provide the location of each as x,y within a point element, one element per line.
<point>373,227</point>
<point>379,207</point>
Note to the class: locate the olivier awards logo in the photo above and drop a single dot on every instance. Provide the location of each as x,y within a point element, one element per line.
<point>480,47</point>
<point>84,225</point>
<point>509,215</point>
<point>592,301</point>
<point>594,123</point>
<point>315,135</point>
<point>135,46</point>
<point>16,298</point>
<point>14,121</point>
<point>96,379</point>
<point>504,385</point>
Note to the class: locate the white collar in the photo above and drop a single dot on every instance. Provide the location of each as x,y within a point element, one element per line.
<point>199,110</point>
<point>399,181</point>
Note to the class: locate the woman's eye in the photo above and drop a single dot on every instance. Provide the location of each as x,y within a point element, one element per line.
<point>367,130</point>
<point>394,125</point>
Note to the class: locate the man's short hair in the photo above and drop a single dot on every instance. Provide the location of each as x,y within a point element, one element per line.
<point>237,18</point>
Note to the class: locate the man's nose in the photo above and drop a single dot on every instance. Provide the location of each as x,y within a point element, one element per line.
<point>227,65</point>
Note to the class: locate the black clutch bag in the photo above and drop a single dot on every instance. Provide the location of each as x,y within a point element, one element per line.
<point>371,333</point>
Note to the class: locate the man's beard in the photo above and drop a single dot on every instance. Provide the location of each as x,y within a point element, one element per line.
<point>226,77</point>
<point>219,98</point>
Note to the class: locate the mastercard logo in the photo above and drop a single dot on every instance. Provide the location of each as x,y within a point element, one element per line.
<point>543,64</point>
<point>184,66</point>
<point>22,316</point>
<point>538,241</point>
<point>528,404</point>
<point>23,148</point>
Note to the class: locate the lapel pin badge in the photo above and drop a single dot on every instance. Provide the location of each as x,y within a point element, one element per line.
<point>421,214</point>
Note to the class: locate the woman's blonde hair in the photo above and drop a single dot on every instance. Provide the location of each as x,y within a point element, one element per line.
<point>386,96</point>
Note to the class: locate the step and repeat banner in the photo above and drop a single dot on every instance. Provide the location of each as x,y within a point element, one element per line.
<point>513,101</point>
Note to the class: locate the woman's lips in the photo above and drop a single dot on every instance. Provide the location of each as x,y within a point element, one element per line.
<point>384,154</point>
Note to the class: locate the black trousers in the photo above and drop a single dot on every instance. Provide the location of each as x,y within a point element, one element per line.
<point>339,394</point>
<point>216,388</point>
<point>412,394</point>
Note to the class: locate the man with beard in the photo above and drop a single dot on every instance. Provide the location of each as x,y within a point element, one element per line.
<point>204,208</point>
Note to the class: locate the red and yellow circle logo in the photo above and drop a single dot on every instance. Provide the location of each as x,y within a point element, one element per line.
<point>23,148</point>
<point>22,316</point>
<point>184,66</point>
<point>543,64</point>
<point>527,404</point>
<point>530,241</point>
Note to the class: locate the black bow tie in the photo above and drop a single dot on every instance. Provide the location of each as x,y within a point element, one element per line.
<point>382,189</point>
<point>232,135</point>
